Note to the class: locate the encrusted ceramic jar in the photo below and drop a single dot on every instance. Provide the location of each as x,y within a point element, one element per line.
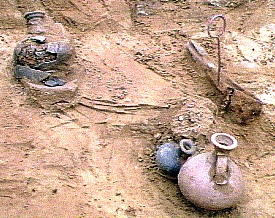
<point>46,48</point>
<point>42,61</point>
<point>212,180</point>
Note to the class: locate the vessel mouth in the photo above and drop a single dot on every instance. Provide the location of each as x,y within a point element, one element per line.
<point>33,14</point>
<point>224,141</point>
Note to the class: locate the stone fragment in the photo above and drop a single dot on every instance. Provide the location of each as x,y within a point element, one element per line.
<point>35,76</point>
<point>52,82</point>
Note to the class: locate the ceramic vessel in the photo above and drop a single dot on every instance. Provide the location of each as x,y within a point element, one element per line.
<point>46,48</point>
<point>42,61</point>
<point>34,22</point>
<point>212,180</point>
<point>171,156</point>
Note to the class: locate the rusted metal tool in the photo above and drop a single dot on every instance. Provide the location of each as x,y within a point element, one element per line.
<point>217,36</point>
<point>236,99</point>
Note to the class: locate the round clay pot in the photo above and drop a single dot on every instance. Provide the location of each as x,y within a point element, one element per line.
<point>171,156</point>
<point>212,180</point>
<point>168,158</point>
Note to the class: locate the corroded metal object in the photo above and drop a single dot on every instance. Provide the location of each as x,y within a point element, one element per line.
<point>212,180</point>
<point>171,156</point>
<point>236,99</point>
<point>41,50</point>
<point>36,76</point>
<point>217,36</point>
<point>42,55</point>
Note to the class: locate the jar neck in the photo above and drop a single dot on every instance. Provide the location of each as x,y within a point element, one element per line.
<point>223,144</point>
<point>35,22</point>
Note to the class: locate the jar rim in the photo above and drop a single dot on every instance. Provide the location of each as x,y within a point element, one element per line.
<point>224,141</point>
<point>34,14</point>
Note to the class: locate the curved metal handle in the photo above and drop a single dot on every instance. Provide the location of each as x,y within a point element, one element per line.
<point>219,16</point>
<point>215,17</point>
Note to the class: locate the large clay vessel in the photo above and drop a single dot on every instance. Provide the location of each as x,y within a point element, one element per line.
<point>212,180</point>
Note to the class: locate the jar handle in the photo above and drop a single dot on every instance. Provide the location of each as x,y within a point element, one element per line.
<point>221,169</point>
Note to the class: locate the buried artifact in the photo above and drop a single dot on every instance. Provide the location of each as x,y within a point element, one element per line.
<point>171,156</point>
<point>209,180</point>
<point>42,60</point>
<point>236,99</point>
<point>212,180</point>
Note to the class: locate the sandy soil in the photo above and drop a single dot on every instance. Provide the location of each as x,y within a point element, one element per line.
<point>131,63</point>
